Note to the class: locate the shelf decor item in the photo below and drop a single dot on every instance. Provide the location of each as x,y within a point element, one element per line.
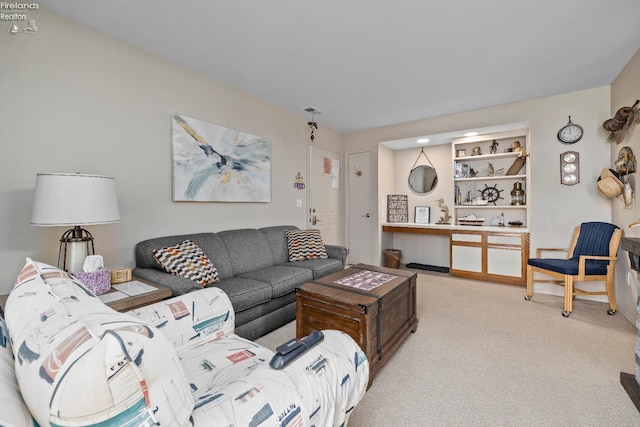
<point>517,195</point>
<point>74,200</point>
<point>470,219</point>
<point>397,208</point>
<point>422,215</point>
<point>519,162</point>
<point>491,194</point>
<point>446,216</point>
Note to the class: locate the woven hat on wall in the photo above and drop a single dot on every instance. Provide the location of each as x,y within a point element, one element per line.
<point>609,185</point>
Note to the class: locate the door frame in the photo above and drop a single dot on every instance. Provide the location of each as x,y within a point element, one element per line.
<point>373,226</point>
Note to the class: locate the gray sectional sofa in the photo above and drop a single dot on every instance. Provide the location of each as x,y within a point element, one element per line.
<point>254,271</point>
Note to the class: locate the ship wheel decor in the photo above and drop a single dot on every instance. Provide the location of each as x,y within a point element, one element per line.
<point>491,194</point>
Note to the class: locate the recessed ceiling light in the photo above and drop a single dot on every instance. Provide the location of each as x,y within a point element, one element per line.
<point>422,140</point>
<point>471,133</point>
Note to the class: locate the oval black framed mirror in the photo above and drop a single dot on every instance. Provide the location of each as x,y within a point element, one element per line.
<point>423,179</point>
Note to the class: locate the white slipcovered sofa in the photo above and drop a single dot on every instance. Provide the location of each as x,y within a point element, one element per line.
<point>174,363</point>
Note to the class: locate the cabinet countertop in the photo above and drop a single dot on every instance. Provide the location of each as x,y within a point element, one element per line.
<point>435,228</point>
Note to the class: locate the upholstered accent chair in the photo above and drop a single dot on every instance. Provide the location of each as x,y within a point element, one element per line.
<point>591,257</point>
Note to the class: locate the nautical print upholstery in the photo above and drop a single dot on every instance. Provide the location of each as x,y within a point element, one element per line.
<point>74,355</point>
<point>66,342</point>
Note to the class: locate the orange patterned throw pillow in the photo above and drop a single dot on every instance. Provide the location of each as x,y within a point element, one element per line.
<point>305,244</point>
<point>187,260</point>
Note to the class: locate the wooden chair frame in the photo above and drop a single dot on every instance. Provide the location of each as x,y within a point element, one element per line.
<point>568,281</point>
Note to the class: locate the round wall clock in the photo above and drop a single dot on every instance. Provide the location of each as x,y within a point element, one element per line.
<point>570,133</point>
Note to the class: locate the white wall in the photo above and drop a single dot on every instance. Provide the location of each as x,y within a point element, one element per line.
<point>76,100</point>
<point>440,157</point>
<point>433,250</point>
<point>625,90</point>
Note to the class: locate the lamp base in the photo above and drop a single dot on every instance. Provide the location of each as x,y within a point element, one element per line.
<point>75,245</point>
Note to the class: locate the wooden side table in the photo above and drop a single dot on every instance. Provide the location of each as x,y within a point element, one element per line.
<point>128,303</point>
<point>137,301</point>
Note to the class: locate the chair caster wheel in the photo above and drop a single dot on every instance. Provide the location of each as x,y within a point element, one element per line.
<point>566,313</point>
<point>527,298</point>
<point>611,312</point>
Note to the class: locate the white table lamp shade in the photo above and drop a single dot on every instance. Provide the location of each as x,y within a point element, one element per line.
<point>74,199</point>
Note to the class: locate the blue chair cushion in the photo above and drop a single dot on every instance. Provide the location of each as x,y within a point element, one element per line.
<point>569,266</point>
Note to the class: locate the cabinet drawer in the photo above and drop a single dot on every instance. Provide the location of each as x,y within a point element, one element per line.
<point>497,239</point>
<point>467,237</point>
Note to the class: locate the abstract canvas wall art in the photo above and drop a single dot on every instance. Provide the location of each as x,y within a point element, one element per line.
<point>213,163</point>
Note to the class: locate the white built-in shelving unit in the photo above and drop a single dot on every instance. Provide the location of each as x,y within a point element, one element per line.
<point>484,176</point>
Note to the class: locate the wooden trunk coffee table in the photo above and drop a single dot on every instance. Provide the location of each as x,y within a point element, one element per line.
<point>378,319</point>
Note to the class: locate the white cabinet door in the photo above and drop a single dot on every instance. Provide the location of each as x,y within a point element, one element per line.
<point>504,255</point>
<point>466,252</point>
<point>505,262</point>
<point>466,258</point>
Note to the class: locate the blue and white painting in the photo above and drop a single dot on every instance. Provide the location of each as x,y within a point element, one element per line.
<point>213,163</point>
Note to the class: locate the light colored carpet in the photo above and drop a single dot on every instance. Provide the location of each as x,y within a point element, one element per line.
<point>483,356</point>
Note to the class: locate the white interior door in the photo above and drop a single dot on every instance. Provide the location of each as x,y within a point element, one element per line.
<point>359,208</point>
<point>325,208</point>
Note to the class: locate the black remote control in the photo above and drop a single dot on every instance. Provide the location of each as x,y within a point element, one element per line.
<point>289,346</point>
<point>289,351</point>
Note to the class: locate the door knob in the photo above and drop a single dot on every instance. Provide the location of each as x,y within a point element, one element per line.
<point>366,215</point>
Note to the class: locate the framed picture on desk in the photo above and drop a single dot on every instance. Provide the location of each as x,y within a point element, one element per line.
<point>422,215</point>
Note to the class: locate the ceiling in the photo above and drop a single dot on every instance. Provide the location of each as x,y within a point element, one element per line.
<point>366,64</point>
<point>446,137</point>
